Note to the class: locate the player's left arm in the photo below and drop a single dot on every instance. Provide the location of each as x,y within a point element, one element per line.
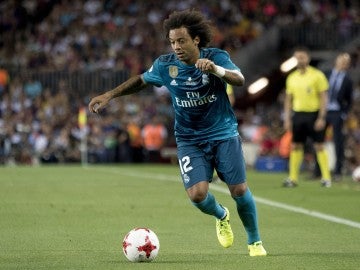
<point>220,64</point>
<point>233,77</point>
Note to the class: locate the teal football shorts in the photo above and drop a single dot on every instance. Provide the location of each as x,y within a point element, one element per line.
<point>198,161</point>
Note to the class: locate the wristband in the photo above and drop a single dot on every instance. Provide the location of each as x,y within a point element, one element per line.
<point>219,71</point>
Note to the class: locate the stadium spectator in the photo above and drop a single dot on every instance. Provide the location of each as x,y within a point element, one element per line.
<point>32,87</point>
<point>269,145</point>
<point>136,142</point>
<point>96,148</point>
<point>122,148</point>
<point>154,136</point>
<point>4,79</point>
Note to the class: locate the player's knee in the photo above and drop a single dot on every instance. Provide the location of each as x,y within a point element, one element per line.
<point>197,193</point>
<point>238,190</point>
<point>197,196</point>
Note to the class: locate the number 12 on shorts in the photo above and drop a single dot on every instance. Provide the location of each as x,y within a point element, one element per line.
<point>184,164</point>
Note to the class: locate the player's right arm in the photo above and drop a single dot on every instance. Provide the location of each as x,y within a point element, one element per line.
<point>132,85</point>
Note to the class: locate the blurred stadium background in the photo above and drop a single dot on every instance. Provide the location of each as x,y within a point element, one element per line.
<point>56,55</point>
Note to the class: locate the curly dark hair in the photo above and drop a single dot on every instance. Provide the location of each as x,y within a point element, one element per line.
<point>193,21</point>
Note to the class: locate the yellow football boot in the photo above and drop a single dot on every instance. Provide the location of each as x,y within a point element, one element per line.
<point>223,230</point>
<point>256,249</point>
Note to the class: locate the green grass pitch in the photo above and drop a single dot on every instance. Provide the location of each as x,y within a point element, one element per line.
<point>73,217</point>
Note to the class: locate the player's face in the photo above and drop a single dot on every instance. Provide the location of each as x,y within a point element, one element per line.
<point>302,58</point>
<point>184,46</point>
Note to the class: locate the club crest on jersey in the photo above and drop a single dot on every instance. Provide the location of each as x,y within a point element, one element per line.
<point>173,71</point>
<point>205,79</point>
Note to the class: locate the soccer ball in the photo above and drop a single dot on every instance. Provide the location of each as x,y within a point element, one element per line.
<point>141,245</point>
<point>356,174</point>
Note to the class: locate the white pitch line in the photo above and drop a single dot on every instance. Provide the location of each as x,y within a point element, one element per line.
<point>299,210</point>
<point>295,209</point>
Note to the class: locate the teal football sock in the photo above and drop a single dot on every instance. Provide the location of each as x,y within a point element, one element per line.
<point>211,207</point>
<point>246,208</point>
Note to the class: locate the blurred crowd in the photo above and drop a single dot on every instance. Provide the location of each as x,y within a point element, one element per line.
<point>91,34</point>
<point>38,124</point>
<point>44,127</point>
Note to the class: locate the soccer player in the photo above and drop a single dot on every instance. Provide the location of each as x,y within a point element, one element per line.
<point>305,115</point>
<point>205,125</point>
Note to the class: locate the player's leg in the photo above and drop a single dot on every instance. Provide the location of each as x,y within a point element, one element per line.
<point>297,149</point>
<point>323,160</point>
<point>231,164</point>
<point>204,200</point>
<point>295,160</point>
<point>246,209</point>
<point>196,166</point>
<point>322,157</point>
<point>196,172</point>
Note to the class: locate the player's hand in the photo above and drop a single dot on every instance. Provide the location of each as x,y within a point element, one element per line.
<point>319,124</point>
<point>98,103</point>
<point>205,65</point>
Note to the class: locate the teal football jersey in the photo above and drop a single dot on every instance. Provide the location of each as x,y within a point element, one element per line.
<point>202,108</point>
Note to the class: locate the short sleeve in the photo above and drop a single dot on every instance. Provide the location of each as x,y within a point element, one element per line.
<point>153,75</point>
<point>222,58</point>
